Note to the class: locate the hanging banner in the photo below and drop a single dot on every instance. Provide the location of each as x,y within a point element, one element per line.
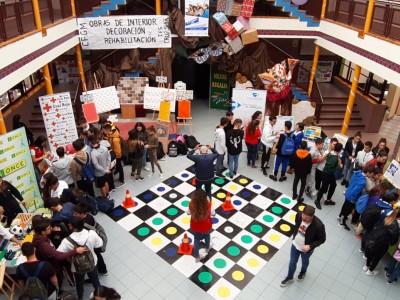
<point>124,32</point>
<point>59,120</point>
<point>16,167</point>
<point>196,17</point>
<point>219,88</point>
<point>246,102</point>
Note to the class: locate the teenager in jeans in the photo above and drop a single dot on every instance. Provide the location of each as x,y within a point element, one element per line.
<point>253,134</point>
<point>268,138</point>
<point>234,139</point>
<point>301,162</point>
<point>220,145</point>
<point>280,158</point>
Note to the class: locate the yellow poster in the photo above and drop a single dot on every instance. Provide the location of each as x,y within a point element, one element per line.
<point>165,111</point>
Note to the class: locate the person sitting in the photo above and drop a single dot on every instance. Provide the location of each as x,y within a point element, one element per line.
<point>56,186</point>
<point>4,232</point>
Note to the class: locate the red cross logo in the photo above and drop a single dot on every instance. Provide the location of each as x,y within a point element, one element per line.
<point>51,136</point>
<point>53,100</point>
<point>58,115</point>
<point>54,130</point>
<point>53,123</point>
<point>65,137</point>
<point>47,107</point>
<point>55,145</point>
<point>56,109</point>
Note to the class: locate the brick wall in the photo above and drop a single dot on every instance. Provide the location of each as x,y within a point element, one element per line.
<point>131,89</point>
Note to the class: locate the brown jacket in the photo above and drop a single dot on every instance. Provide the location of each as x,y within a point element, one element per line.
<point>76,169</point>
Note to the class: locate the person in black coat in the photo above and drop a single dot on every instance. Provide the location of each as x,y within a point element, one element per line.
<point>8,196</point>
<point>351,149</point>
<point>302,164</point>
<point>309,233</point>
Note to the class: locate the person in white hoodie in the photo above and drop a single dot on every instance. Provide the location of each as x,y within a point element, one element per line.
<point>61,168</point>
<point>220,145</point>
<point>91,240</point>
<point>269,136</point>
<point>364,155</point>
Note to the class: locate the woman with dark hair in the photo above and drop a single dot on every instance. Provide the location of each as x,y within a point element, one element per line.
<point>380,146</point>
<point>256,115</point>
<point>8,196</point>
<point>105,293</point>
<point>18,124</point>
<point>351,149</point>
<point>253,134</point>
<point>38,153</point>
<point>139,134</point>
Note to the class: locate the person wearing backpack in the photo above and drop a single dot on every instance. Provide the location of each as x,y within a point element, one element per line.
<point>328,176</point>
<point>81,158</point>
<point>81,210</point>
<point>302,164</point>
<point>351,149</point>
<point>38,277</point>
<point>298,137</point>
<point>379,240</point>
<point>87,265</point>
<point>285,150</point>
<point>61,168</point>
<point>220,145</point>
<point>101,161</point>
<point>113,136</point>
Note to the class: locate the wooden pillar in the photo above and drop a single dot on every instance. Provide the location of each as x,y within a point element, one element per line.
<point>79,53</point>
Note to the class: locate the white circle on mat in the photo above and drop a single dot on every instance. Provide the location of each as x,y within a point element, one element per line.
<point>228,229</point>
<point>173,195</point>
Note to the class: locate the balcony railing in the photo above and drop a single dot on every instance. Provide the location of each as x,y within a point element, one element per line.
<point>385,20</point>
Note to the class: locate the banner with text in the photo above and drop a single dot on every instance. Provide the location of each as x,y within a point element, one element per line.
<point>196,17</point>
<point>59,120</point>
<point>219,88</point>
<point>393,173</point>
<point>124,32</point>
<point>16,167</point>
<point>246,102</point>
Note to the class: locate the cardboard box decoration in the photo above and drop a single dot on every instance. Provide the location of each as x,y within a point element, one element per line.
<point>220,18</point>
<point>249,36</point>
<point>221,5</point>
<point>228,28</point>
<point>239,27</point>
<point>247,8</point>
<point>228,7</point>
<point>244,21</point>
<point>236,9</point>
<point>235,44</point>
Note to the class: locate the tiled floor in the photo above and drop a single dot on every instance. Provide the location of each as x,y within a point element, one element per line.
<point>335,270</point>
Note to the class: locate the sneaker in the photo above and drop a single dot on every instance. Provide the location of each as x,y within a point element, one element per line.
<point>365,268</point>
<point>150,174</point>
<point>355,225</point>
<point>301,276</point>
<point>146,169</point>
<point>387,273</point>
<point>344,225</point>
<point>361,250</point>
<point>346,185</point>
<point>104,274</point>
<point>264,171</point>
<point>300,200</point>
<point>119,184</point>
<point>372,273</point>
<point>318,204</point>
<point>295,196</point>
<point>161,175</point>
<point>315,193</point>
<point>139,178</point>
<point>209,248</point>
<point>283,178</point>
<point>308,194</point>
<point>198,259</point>
<point>343,182</point>
<point>339,218</point>
<point>133,174</point>
<point>286,281</point>
<point>364,256</point>
<point>329,202</point>
<point>389,281</point>
<point>87,282</point>
<point>273,177</point>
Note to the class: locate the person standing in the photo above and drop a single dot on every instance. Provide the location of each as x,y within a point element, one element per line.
<point>253,134</point>
<point>220,145</point>
<point>379,161</point>
<point>364,156</point>
<point>234,139</point>
<point>351,149</point>
<point>8,200</point>
<point>153,146</point>
<point>298,137</point>
<point>302,164</point>
<point>113,137</point>
<point>268,138</point>
<point>61,168</point>
<point>139,134</point>
<point>309,233</point>
<point>315,152</point>
<point>204,166</point>
<point>382,145</point>
<point>18,124</point>
<point>101,160</point>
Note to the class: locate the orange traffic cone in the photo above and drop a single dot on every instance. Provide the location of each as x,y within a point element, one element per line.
<point>194,181</point>
<point>227,205</point>
<point>185,247</point>
<point>128,200</point>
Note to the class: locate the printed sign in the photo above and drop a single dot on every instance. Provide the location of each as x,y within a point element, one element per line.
<point>16,167</point>
<point>196,17</point>
<point>106,99</point>
<point>154,95</point>
<point>124,32</point>
<point>246,102</point>
<point>59,119</point>
<point>393,173</point>
<point>219,88</point>
<point>323,74</point>
<point>312,132</point>
<point>184,94</point>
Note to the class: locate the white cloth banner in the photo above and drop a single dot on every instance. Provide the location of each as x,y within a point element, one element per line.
<point>246,102</point>
<point>196,18</point>
<point>106,99</point>
<point>392,173</point>
<point>154,95</point>
<point>124,32</point>
<point>59,120</point>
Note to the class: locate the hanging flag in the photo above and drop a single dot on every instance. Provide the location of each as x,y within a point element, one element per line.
<point>196,17</point>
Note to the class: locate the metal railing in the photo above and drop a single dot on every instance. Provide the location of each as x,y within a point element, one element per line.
<point>385,20</point>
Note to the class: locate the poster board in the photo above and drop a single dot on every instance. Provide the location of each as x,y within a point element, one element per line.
<point>154,95</point>
<point>106,99</point>
<point>392,173</point>
<point>246,102</point>
<point>341,138</point>
<point>16,167</point>
<point>124,32</point>
<point>219,88</point>
<point>59,119</point>
<point>312,132</point>
<point>196,17</point>
<point>165,111</point>
<point>323,74</point>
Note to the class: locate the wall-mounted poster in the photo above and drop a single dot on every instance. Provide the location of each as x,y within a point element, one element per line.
<point>59,119</point>
<point>16,167</point>
<point>106,99</point>
<point>324,71</point>
<point>196,17</point>
<point>154,95</point>
<point>246,102</point>
<point>219,88</point>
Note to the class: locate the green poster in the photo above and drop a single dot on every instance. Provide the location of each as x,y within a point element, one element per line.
<point>219,88</point>
<point>17,168</point>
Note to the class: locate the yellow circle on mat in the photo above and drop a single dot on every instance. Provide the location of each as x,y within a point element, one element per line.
<point>285,227</point>
<point>238,275</point>
<point>156,241</point>
<point>253,262</point>
<point>224,292</point>
<point>263,249</point>
<point>274,237</point>
<point>301,207</point>
<point>186,220</point>
<point>221,195</point>
<point>244,181</point>
<point>292,217</point>
<point>173,230</point>
<point>233,187</point>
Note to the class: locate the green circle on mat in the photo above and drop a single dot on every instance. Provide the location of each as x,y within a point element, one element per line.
<point>246,239</point>
<point>233,251</point>
<point>185,203</point>
<point>256,228</point>
<point>277,210</point>
<point>172,211</point>
<point>219,181</point>
<point>268,218</point>
<point>143,231</point>
<point>285,200</point>
<point>157,221</point>
<point>205,277</point>
<point>220,263</point>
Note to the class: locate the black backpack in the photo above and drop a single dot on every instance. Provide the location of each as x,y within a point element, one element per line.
<point>376,238</point>
<point>190,141</point>
<point>160,151</point>
<point>84,263</point>
<point>100,232</point>
<point>182,148</point>
<point>370,217</point>
<point>90,202</point>
<point>173,149</point>
<point>34,288</point>
<point>104,204</point>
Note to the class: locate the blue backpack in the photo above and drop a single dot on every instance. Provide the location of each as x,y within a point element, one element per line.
<point>91,202</point>
<point>362,203</point>
<point>288,145</point>
<point>105,205</point>
<point>87,170</point>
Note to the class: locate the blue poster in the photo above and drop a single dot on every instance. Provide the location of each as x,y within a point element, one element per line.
<point>196,17</point>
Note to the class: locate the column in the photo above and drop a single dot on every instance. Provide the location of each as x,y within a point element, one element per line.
<point>79,53</point>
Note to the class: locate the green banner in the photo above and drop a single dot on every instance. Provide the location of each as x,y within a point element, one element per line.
<point>16,167</point>
<point>219,88</point>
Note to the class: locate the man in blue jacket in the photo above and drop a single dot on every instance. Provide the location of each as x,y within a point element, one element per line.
<point>204,166</point>
<point>353,192</point>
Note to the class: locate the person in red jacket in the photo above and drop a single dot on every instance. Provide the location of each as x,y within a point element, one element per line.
<point>200,223</point>
<point>253,133</point>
